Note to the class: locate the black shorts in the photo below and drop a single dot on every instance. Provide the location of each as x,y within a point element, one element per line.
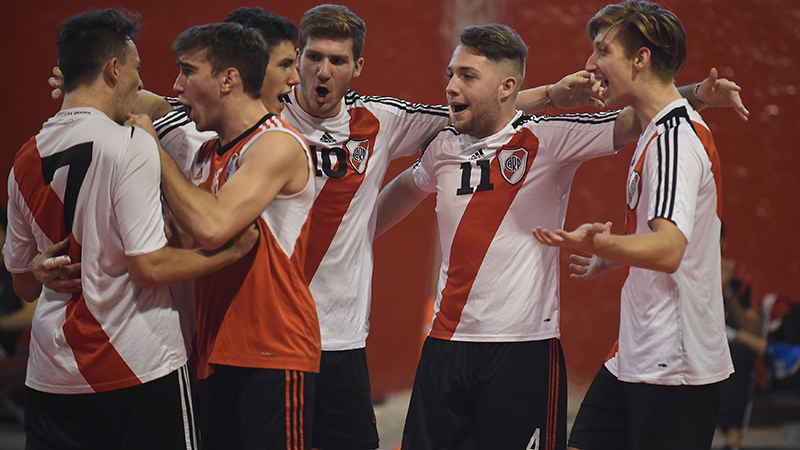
<point>242,408</point>
<point>344,418</point>
<point>154,415</point>
<point>638,416</point>
<point>488,396</point>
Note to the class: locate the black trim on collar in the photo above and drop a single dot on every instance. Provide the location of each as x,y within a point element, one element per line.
<point>222,149</point>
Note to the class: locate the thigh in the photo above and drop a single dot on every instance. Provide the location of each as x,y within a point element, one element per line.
<point>439,413</point>
<point>602,420</point>
<point>59,421</point>
<point>343,414</point>
<point>247,408</point>
<point>521,396</point>
<point>155,415</point>
<point>669,417</point>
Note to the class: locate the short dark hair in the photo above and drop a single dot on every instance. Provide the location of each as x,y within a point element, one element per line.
<point>497,42</point>
<point>273,27</point>
<point>333,21</point>
<point>644,24</point>
<point>86,41</point>
<point>229,45</point>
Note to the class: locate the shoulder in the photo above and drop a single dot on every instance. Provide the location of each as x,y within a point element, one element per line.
<point>393,105</point>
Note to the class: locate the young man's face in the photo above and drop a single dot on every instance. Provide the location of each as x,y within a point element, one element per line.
<point>474,93</point>
<point>327,67</point>
<point>129,84</point>
<point>197,88</point>
<point>280,76</point>
<point>612,67</point>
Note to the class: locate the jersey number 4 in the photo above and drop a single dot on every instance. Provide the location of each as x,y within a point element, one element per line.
<point>78,158</point>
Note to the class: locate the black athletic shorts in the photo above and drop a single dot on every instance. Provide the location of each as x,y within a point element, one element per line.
<point>247,409</point>
<point>344,418</point>
<point>155,415</point>
<point>616,415</point>
<point>488,396</point>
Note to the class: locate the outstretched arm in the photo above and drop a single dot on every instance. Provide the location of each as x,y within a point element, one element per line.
<point>661,250</point>
<point>397,200</point>
<point>572,91</point>
<point>715,91</point>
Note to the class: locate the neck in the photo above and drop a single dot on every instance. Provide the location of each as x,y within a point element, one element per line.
<point>89,97</point>
<point>237,115</point>
<point>652,98</point>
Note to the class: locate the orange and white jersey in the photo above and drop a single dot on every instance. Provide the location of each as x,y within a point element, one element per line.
<point>497,283</point>
<point>672,326</point>
<point>87,178</point>
<point>258,312</point>
<point>352,152</point>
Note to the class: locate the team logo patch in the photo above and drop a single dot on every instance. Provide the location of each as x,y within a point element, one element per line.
<point>513,164</point>
<point>201,170</point>
<point>233,166</point>
<point>359,154</point>
<point>634,187</point>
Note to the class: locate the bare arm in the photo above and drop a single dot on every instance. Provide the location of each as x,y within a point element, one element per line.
<point>26,286</point>
<point>170,265</point>
<point>572,91</point>
<point>397,200</point>
<point>661,250</point>
<point>155,106</point>
<point>275,163</point>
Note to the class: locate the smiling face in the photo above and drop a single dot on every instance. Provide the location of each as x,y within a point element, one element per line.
<point>327,67</point>
<point>612,66</point>
<point>198,89</point>
<point>129,83</point>
<point>474,93</point>
<point>280,76</point>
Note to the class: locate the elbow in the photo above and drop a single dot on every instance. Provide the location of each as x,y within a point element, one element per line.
<point>672,262</point>
<point>144,279</point>
<point>28,295</point>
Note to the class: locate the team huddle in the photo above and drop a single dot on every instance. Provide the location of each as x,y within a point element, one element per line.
<point>207,236</point>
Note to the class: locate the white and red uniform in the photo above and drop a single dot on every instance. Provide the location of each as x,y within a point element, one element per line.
<point>258,312</point>
<point>88,178</point>
<point>672,326</point>
<point>352,152</point>
<point>497,283</point>
<point>179,136</point>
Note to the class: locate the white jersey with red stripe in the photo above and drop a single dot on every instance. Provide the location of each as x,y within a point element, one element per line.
<point>672,326</point>
<point>352,152</point>
<point>98,183</point>
<point>497,283</point>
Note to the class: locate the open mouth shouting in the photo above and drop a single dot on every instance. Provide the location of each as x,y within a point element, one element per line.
<point>322,93</point>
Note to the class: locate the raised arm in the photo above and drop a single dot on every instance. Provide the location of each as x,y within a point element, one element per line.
<point>397,200</point>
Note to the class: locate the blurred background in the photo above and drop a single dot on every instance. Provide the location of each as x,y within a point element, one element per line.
<point>408,45</point>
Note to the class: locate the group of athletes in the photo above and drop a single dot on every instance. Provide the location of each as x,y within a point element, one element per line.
<point>270,169</point>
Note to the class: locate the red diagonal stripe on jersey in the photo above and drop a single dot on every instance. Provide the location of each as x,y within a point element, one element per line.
<point>97,359</point>
<point>46,207</point>
<point>475,233</point>
<point>335,197</point>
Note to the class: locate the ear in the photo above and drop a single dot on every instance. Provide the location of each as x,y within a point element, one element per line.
<point>507,87</point>
<point>359,67</point>
<point>641,58</point>
<point>229,79</point>
<point>111,72</point>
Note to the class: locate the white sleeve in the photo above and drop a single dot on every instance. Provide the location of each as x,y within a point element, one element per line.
<point>409,126</point>
<point>424,170</point>
<point>137,196</point>
<point>676,169</point>
<point>578,137</point>
<point>20,246</point>
<point>181,139</point>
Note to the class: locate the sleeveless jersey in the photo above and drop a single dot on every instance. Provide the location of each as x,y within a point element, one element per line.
<point>672,326</point>
<point>497,283</point>
<point>258,312</point>
<point>89,178</point>
<point>352,152</point>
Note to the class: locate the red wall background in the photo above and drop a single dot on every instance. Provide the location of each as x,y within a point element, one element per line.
<point>408,46</point>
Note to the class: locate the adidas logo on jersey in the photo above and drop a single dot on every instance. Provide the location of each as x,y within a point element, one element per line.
<point>476,155</point>
<point>327,138</point>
